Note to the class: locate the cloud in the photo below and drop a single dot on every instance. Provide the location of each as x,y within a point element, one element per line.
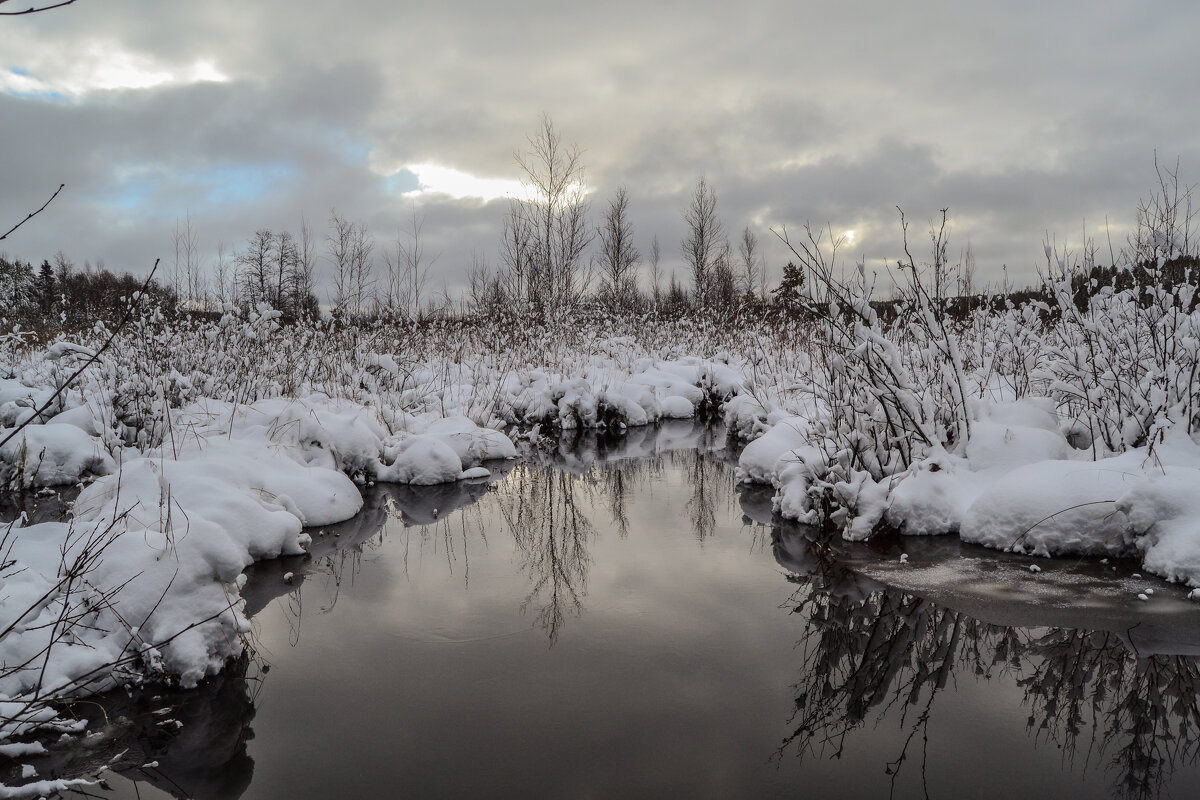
<point>1022,120</point>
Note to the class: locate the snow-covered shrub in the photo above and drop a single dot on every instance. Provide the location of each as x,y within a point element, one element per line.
<point>892,394</point>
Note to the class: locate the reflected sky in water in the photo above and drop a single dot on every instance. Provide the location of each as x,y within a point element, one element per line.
<point>617,619</point>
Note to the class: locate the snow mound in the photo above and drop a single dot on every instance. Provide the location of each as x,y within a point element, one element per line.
<point>53,455</point>
<point>760,461</point>
<point>934,497</point>
<point>1015,433</point>
<point>156,550</point>
<point>1163,510</point>
<point>421,460</point>
<point>611,398</point>
<point>1054,508</point>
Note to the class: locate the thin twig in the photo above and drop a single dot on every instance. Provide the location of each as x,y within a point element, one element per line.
<point>33,10</point>
<point>94,358</point>
<point>61,186</point>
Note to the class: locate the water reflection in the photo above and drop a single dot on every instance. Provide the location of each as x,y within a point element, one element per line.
<point>869,649</point>
<point>546,514</point>
<point>187,744</point>
<point>548,504</point>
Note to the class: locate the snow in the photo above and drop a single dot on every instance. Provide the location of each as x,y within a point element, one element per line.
<point>149,569</point>
<point>253,432</point>
<point>53,455</point>
<point>760,460</point>
<point>44,788</point>
<point>159,540</point>
<point>1164,509</point>
<point>1017,485</point>
<point>1051,508</point>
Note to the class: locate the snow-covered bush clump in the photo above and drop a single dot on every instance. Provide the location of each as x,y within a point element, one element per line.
<point>205,445</point>
<point>1067,425</point>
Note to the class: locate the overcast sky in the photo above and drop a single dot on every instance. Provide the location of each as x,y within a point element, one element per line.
<point>1021,117</point>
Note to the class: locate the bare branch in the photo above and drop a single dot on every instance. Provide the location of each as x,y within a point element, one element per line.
<point>61,186</point>
<point>33,10</point>
<point>92,360</point>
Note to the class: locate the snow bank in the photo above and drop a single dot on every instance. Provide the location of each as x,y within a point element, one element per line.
<point>1052,508</point>
<point>611,397</point>
<point>1163,511</point>
<point>1018,486</point>
<point>53,455</point>
<point>144,581</point>
<point>761,460</point>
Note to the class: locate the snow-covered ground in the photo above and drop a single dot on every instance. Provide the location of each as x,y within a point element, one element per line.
<point>205,446</point>
<point>181,494</point>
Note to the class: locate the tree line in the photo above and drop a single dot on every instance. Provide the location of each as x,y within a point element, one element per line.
<point>552,259</point>
<point>58,291</point>
<point>546,234</point>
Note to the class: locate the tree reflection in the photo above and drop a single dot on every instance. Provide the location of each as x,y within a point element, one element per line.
<point>869,650</point>
<point>705,477</point>
<point>544,511</point>
<point>187,743</point>
<point>550,504</point>
<point>1087,692</point>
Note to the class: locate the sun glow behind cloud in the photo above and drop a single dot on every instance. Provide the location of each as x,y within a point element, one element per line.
<point>98,67</point>
<point>437,180</point>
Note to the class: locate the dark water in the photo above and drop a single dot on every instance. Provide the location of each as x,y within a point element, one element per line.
<point>592,625</point>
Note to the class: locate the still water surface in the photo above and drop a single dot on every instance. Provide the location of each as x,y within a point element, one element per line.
<point>624,621</point>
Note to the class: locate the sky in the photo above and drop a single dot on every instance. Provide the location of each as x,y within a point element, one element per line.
<point>1026,120</point>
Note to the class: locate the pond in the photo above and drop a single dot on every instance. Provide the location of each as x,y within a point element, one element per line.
<point>620,619</point>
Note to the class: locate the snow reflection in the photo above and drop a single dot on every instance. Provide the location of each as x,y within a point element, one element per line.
<point>520,575</point>
<point>870,650</point>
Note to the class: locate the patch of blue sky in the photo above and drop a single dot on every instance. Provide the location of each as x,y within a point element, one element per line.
<point>401,182</point>
<point>158,191</point>
<point>30,94</point>
<point>236,184</point>
<point>133,194</point>
<point>353,151</point>
<point>54,97</point>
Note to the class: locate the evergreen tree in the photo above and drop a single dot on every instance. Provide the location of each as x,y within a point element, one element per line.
<point>16,283</point>
<point>44,287</point>
<point>788,292</point>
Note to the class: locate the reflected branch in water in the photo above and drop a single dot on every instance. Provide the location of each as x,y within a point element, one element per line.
<point>868,649</point>
<point>616,493</point>
<point>188,743</point>
<point>1087,692</point>
<point>543,511</point>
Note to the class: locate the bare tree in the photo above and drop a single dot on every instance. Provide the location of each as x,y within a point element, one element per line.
<point>303,282</point>
<point>224,279</point>
<point>350,248</point>
<point>676,296</point>
<point>363,269</point>
<point>1163,228</point>
<point>408,269</point>
<point>186,278</point>
<point>546,232</point>
<point>966,277</point>
<point>618,257</point>
<point>749,256</point>
<point>655,271</point>
<point>485,289</point>
<point>284,258</point>
<point>722,287</point>
<point>763,292</point>
<point>517,254</point>
<point>705,240</point>
<point>254,267</point>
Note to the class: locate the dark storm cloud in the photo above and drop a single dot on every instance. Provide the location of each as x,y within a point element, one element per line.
<point>1026,120</point>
